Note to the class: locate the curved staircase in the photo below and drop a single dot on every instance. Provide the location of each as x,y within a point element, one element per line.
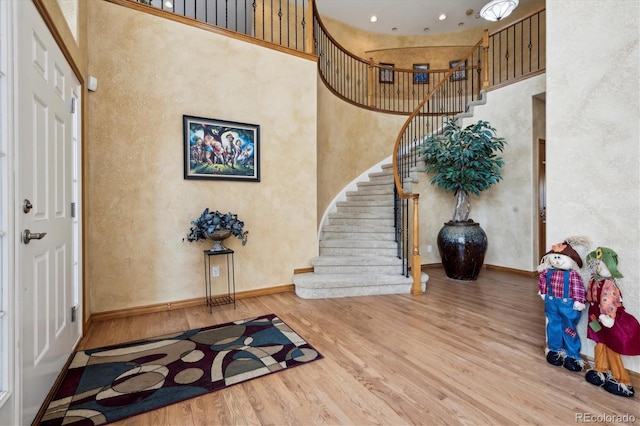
<point>358,248</point>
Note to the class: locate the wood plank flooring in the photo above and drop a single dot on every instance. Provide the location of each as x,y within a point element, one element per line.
<point>462,353</point>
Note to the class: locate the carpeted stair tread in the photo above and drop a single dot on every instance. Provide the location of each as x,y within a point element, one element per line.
<point>375,221</point>
<point>356,260</point>
<point>350,251</point>
<point>374,230</point>
<point>376,185</point>
<point>364,215</point>
<point>312,280</point>
<point>357,265</point>
<point>368,203</point>
<point>320,286</point>
<point>370,192</point>
<point>358,243</point>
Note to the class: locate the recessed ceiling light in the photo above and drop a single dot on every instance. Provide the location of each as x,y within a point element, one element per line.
<point>426,29</point>
<point>374,18</point>
<point>442,17</point>
<point>394,29</point>
<point>460,24</point>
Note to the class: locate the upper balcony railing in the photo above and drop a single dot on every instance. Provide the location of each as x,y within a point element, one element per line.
<point>281,22</point>
<point>518,50</point>
<point>515,51</point>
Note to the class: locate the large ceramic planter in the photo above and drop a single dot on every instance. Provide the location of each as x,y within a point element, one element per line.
<point>462,247</point>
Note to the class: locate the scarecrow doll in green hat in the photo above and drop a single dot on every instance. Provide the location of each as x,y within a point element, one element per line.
<point>614,330</point>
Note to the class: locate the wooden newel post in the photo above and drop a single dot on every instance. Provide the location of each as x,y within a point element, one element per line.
<point>485,59</point>
<point>309,48</point>
<point>370,81</point>
<point>416,265</point>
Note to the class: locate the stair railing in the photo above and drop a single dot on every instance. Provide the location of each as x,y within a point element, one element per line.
<point>517,52</point>
<point>450,97</point>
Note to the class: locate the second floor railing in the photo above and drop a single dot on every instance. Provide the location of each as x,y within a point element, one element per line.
<point>518,50</point>
<point>515,51</point>
<point>379,87</point>
<point>281,22</point>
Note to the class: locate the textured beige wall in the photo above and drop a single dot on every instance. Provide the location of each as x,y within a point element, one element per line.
<point>350,141</point>
<point>150,72</point>
<point>593,138</point>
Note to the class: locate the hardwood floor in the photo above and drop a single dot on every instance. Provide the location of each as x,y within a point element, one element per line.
<point>461,353</point>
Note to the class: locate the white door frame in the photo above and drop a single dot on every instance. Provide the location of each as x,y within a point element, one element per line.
<point>9,383</point>
<point>11,321</point>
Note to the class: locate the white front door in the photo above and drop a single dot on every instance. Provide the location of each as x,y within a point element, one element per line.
<point>47,132</point>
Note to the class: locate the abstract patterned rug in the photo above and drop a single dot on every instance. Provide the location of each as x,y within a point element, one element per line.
<point>115,382</point>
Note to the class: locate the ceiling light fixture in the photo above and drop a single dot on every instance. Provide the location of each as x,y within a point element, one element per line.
<point>442,17</point>
<point>374,18</point>
<point>496,10</point>
<point>168,4</point>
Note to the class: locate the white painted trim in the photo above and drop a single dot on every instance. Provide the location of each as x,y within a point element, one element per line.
<point>9,378</point>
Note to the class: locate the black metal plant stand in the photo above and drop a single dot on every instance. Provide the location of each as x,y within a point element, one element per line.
<point>230,296</point>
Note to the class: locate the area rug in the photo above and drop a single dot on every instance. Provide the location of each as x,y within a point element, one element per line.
<point>115,382</point>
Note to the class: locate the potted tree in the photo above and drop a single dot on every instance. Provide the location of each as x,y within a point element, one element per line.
<point>463,161</point>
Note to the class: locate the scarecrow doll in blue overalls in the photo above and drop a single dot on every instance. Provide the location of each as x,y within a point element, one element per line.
<point>561,287</point>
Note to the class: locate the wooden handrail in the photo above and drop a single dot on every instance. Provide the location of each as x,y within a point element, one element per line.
<point>416,269</point>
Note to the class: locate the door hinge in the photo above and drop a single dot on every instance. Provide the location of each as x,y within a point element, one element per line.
<point>73,209</point>
<point>74,309</point>
<point>73,105</point>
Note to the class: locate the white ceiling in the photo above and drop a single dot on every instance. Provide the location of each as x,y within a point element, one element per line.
<point>408,17</point>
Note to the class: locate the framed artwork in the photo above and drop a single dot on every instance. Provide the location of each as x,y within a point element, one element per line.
<point>461,74</point>
<point>421,77</point>
<point>217,149</point>
<point>386,75</point>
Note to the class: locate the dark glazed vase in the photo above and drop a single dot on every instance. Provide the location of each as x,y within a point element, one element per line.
<point>462,247</point>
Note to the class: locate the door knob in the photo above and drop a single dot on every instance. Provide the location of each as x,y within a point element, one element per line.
<point>26,205</point>
<point>28,236</point>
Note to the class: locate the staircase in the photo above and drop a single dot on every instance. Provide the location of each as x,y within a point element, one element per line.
<point>358,249</point>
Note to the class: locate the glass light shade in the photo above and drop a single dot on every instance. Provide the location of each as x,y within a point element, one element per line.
<point>495,10</point>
